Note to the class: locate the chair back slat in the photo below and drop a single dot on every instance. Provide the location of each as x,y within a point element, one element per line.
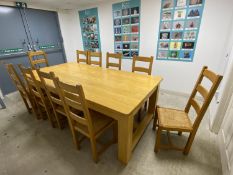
<point>140,69</point>
<point>35,63</point>
<point>210,75</point>
<point>74,99</point>
<point>203,91</point>
<point>16,79</point>
<point>33,84</point>
<point>56,100</point>
<point>149,60</point>
<point>208,95</point>
<point>97,55</point>
<point>195,105</point>
<point>20,88</point>
<point>143,59</point>
<point>73,104</point>
<point>51,90</point>
<point>115,56</point>
<point>36,93</point>
<point>82,56</point>
<point>79,119</point>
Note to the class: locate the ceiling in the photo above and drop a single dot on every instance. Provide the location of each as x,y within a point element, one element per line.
<point>59,4</point>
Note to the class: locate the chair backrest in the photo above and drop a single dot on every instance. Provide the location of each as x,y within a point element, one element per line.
<point>148,60</point>
<point>82,56</point>
<point>115,56</point>
<point>16,79</point>
<point>74,100</point>
<point>47,80</point>
<point>33,84</point>
<point>207,95</point>
<point>97,55</point>
<point>41,58</point>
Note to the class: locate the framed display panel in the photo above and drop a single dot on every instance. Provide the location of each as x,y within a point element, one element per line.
<point>126,26</point>
<point>89,22</point>
<point>179,28</point>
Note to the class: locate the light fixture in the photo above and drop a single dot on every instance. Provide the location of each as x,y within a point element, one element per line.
<point>5,10</point>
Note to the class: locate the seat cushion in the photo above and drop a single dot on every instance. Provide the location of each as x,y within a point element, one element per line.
<point>173,119</point>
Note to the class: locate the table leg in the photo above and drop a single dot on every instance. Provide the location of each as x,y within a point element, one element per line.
<point>2,103</point>
<point>153,101</point>
<point>125,137</point>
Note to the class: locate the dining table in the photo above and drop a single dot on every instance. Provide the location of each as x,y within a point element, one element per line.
<point>117,94</point>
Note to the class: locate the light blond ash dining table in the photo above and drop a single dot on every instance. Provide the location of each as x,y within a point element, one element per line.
<point>117,94</point>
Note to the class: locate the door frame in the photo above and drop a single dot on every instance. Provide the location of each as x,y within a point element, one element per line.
<point>227,92</point>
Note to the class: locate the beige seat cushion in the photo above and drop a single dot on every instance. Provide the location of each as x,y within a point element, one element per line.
<point>173,119</point>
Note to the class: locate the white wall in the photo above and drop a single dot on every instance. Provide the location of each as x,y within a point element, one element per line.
<point>178,76</point>
<point>71,32</point>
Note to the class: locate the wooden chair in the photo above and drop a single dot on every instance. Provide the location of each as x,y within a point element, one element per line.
<point>38,94</point>
<point>82,56</point>
<point>116,56</point>
<point>178,120</point>
<point>47,80</point>
<point>149,60</point>
<point>23,90</point>
<point>91,124</point>
<point>147,70</point>
<point>41,59</point>
<point>97,55</point>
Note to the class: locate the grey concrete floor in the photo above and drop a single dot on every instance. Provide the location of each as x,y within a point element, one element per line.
<point>32,147</point>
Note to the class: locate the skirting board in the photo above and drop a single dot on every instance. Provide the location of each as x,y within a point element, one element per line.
<point>178,93</point>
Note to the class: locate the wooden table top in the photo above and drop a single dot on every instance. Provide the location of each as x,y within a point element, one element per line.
<point>119,91</point>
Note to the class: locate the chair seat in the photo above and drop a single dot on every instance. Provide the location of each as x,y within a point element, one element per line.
<point>99,121</point>
<point>173,119</point>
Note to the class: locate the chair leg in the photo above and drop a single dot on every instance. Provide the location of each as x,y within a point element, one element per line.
<point>94,149</point>
<point>155,119</point>
<point>145,106</point>
<point>139,115</point>
<point>58,120</point>
<point>34,108</point>
<point>74,134</point>
<point>189,143</point>
<point>50,117</point>
<point>27,105</point>
<point>115,132</point>
<point>157,144</point>
<point>44,117</point>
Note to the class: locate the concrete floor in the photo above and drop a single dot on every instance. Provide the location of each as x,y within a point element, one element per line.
<point>32,147</point>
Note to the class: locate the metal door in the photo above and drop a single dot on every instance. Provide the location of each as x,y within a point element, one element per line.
<point>12,37</point>
<point>18,30</point>
<point>45,33</point>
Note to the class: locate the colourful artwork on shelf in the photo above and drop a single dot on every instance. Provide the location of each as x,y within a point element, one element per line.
<point>179,28</point>
<point>89,23</point>
<point>126,25</point>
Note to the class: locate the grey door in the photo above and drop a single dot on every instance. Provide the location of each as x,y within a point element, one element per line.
<point>12,36</point>
<point>45,31</point>
<point>15,38</point>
